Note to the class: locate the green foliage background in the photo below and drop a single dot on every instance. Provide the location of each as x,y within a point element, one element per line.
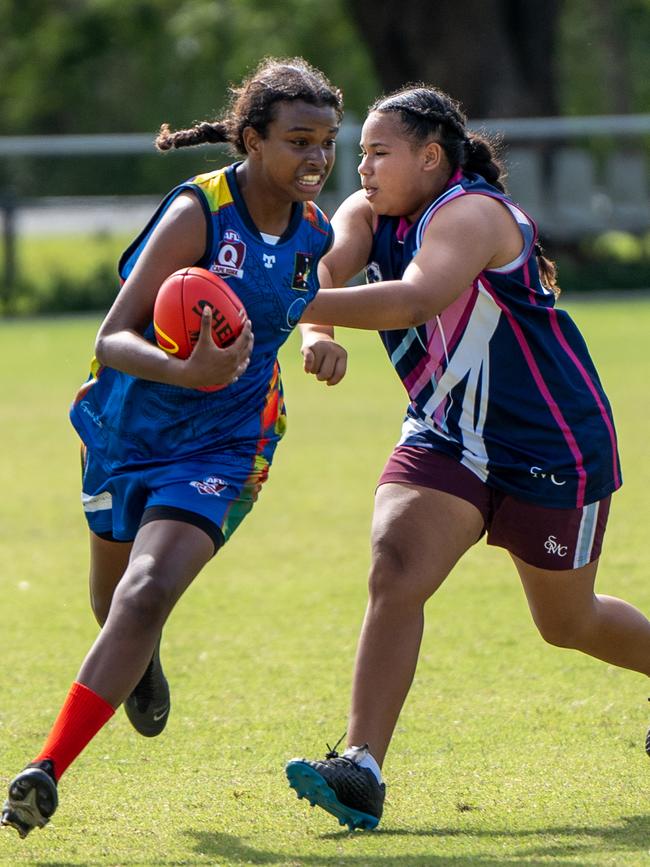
<point>89,66</point>
<point>84,66</point>
<point>603,57</point>
<point>128,66</point>
<point>73,66</point>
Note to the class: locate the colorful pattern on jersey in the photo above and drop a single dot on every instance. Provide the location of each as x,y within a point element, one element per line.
<point>501,380</point>
<point>129,422</point>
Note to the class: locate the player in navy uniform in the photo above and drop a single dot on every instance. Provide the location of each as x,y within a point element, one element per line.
<point>508,430</point>
<point>171,470</point>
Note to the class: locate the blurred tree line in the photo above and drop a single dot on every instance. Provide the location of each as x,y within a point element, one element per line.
<point>84,66</point>
<point>93,66</point>
<point>511,58</point>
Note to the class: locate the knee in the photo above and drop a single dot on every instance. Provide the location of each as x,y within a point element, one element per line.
<point>141,596</point>
<point>566,631</point>
<point>394,576</point>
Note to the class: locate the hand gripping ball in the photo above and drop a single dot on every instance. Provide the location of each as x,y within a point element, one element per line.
<point>179,305</point>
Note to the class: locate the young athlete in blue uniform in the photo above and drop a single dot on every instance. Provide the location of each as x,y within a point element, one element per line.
<point>171,470</point>
<point>508,431</point>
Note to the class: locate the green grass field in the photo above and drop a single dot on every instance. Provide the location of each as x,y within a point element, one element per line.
<point>508,751</point>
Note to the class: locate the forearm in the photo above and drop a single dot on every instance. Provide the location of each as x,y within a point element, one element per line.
<point>129,352</point>
<point>379,306</point>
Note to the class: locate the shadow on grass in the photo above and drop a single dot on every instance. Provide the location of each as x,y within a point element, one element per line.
<point>631,835</point>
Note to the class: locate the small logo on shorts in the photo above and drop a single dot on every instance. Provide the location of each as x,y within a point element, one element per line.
<point>554,547</point>
<point>211,486</point>
<point>539,474</point>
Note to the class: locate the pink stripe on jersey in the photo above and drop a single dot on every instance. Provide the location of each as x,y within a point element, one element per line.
<point>419,376</point>
<point>402,228</point>
<point>531,291</point>
<point>455,318</point>
<point>555,325</point>
<point>546,394</point>
<point>445,332</point>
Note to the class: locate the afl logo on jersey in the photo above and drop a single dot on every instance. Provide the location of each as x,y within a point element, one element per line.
<point>230,255</point>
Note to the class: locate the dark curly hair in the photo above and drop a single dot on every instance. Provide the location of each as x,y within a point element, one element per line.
<point>252,103</point>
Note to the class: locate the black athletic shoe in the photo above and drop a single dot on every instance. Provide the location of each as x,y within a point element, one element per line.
<point>32,798</point>
<point>647,741</point>
<point>340,786</point>
<point>149,704</point>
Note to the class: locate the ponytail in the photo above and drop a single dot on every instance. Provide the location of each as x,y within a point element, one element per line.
<point>201,133</point>
<point>481,159</point>
<point>547,271</point>
<point>253,104</point>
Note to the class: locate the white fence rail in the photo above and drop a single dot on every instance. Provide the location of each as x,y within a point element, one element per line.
<point>572,189</point>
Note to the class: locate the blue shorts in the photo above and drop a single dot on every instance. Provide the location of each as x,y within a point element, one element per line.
<point>214,492</point>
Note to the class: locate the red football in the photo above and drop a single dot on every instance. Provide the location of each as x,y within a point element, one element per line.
<point>179,305</point>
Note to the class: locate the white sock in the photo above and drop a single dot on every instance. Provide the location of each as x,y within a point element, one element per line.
<point>360,756</point>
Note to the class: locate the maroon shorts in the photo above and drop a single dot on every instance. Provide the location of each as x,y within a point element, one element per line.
<point>552,539</point>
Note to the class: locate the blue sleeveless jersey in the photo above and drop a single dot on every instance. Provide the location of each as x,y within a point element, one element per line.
<point>127,422</point>
<point>501,380</point>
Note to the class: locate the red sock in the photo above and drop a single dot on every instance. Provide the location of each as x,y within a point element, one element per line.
<point>83,714</point>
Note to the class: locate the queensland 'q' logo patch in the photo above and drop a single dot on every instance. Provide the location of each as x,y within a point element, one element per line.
<point>230,255</point>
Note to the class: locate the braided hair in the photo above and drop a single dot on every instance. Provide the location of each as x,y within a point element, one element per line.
<point>426,111</point>
<point>252,103</point>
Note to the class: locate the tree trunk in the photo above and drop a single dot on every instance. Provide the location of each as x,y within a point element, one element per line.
<point>495,56</point>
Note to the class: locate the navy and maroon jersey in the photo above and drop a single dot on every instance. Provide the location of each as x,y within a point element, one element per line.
<point>502,379</point>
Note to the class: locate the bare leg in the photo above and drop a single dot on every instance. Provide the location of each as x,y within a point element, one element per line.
<point>166,557</point>
<point>568,613</point>
<point>418,534</point>
<point>108,562</point>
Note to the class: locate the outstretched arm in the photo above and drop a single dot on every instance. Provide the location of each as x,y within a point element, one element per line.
<point>465,237</point>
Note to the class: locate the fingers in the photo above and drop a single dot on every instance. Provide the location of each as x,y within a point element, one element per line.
<point>326,360</point>
<point>205,331</point>
<point>339,370</point>
<point>308,360</point>
<point>209,364</point>
<point>245,337</point>
<point>326,368</point>
<point>242,348</point>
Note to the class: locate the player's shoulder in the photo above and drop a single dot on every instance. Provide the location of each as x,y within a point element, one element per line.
<point>355,211</point>
<point>316,218</point>
<point>214,186</point>
<point>472,210</point>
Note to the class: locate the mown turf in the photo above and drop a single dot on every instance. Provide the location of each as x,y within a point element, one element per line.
<point>508,751</point>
